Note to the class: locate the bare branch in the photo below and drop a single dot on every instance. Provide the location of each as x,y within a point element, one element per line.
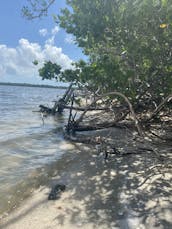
<point>161,105</point>
<point>127,101</point>
<point>37,9</point>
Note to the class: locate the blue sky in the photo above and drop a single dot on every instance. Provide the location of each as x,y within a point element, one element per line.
<point>23,41</point>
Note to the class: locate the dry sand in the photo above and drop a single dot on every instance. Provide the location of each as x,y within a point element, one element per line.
<point>124,192</point>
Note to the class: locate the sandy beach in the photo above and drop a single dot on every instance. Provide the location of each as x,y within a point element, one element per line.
<point>124,192</point>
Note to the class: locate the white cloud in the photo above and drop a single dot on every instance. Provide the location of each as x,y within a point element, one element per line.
<point>56,55</point>
<point>50,41</point>
<point>18,60</point>
<point>55,30</point>
<point>43,32</point>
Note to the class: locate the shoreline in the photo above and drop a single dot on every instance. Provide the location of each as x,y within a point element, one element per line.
<point>101,195</point>
<point>40,176</point>
<point>32,85</point>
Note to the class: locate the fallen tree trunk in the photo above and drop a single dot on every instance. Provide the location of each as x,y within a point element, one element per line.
<point>109,94</point>
<point>89,109</point>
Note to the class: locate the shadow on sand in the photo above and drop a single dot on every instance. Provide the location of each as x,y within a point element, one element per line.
<point>132,191</point>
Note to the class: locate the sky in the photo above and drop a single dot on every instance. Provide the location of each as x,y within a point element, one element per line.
<point>23,41</point>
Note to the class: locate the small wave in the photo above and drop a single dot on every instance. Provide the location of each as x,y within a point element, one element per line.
<point>12,194</point>
<point>26,144</point>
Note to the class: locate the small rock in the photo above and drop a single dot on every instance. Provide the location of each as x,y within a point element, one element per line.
<point>55,191</point>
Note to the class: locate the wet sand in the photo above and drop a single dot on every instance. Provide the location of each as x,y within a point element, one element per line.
<point>132,191</point>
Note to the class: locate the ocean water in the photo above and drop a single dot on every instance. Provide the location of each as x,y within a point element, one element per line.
<point>26,144</point>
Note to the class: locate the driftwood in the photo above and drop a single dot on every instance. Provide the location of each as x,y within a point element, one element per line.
<point>60,104</point>
<point>89,109</point>
<point>45,109</point>
<point>119,120</point>
<point>109,94</point>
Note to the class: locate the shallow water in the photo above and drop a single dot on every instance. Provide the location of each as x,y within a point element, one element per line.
<point>26,144</point>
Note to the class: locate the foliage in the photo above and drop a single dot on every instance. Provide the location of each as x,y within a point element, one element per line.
<point>36,8</point>
<point>129,43</point>
<point>50,71</point>
<point>35,62</point>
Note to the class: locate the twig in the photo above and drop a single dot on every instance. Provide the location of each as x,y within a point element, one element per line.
<point>159,107</point>
<point>157,135</point>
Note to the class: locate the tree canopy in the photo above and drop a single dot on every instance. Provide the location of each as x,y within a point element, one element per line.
<point>128,41</point>
<point>129,44</point>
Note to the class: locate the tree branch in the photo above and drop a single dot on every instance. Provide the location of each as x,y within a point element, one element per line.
<point>36,11</point>
<point>159,108</point>
<point>127,101</point>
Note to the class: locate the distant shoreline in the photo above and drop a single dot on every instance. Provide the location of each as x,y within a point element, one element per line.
<point>31,85</point>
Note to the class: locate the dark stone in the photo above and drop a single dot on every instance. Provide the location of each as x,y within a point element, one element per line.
<point>45,109</point>
<point>56,191</point>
